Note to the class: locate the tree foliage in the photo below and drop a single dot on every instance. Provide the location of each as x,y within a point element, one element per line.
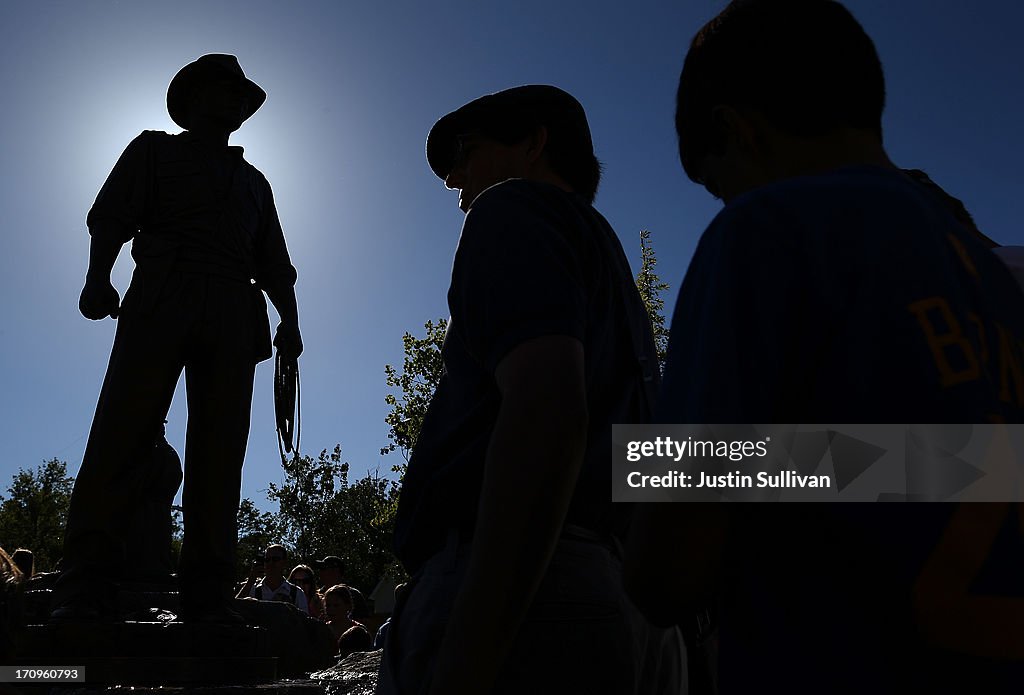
<point>421,372</point>
<point>308,501</point>
<point>369,519</point>
<point>651,286</point>
<point>256,530</point>
<point>321,513</point>
<point>177,534</point>
<point>35,511</point>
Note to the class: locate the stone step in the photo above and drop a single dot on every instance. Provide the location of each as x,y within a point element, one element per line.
<point>299,643</point>
<point>132,639</point>
<point>35,603</point>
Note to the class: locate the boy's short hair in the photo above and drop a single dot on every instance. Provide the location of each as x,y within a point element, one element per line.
<point>354,639</point>
<point>806,66</point>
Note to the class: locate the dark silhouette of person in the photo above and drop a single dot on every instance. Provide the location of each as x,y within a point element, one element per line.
<point>332,571</point>
<point>303,577</point>
<point>831,288</point>
<point>355,639</point>
<point>25,560</point>
<point>148,534</point>
<point>207,244</point>
<point>505,520</point>
<point>11,579</point>
<point>273,586</point>
<point>382,631</point>
<point>338,606</point>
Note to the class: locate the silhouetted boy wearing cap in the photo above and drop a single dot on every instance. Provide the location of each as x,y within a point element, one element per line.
<point>207,244</point>
<point>832,288</point>
<point>505,520</point>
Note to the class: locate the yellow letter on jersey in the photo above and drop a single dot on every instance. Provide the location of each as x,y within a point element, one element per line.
<point>945,344</point>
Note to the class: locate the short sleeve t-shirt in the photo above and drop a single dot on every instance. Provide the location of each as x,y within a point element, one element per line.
<point>532,261</point>
<point>286,592</point>
<point>852,297</point>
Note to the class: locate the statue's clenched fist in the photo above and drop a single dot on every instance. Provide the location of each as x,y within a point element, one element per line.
<point>99,299</point>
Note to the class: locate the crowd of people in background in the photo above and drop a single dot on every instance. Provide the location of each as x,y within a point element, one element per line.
<point>317,590</point>
<point>325,597</point>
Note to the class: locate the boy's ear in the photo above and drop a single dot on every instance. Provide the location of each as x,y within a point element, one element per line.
<point>536,143</point>
<point>732,128</point>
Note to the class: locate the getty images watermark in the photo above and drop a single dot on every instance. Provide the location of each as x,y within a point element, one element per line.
<point>818,463</point>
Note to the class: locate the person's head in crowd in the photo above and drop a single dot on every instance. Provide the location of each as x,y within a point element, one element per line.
<point>332,571</point>
<point>25,561</point>
<point>535,132</point>
<point>302,576</point>
<point>354,639</point>
<point>274,560</point>
<point>772,89</point>
<point>10,573</point>
<point>10,577</point>
<point>337,602</point>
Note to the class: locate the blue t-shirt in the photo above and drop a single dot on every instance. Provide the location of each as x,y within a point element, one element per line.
<point>532,261</point>
<point>850,297</point>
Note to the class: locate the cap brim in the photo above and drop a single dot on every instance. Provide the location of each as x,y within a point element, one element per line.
<point>533,102</point>
<point>442,140</point>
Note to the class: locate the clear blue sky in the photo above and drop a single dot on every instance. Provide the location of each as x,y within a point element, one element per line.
<point>353,89</point>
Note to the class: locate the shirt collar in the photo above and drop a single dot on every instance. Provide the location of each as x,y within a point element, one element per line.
<point>234,150</point>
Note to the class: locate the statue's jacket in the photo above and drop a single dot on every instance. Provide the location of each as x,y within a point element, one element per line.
<point>191,208</point>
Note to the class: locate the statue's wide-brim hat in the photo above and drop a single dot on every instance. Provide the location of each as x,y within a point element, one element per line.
<point>212,65</point>
<point>531,104</point>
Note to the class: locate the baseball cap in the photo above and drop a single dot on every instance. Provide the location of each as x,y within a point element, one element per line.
<point>511,109</point>
<point>329,562</point>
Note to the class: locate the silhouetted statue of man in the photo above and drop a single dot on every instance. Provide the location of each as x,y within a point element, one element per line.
<point>207,243</point>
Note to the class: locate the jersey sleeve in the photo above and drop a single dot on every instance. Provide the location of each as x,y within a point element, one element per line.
<point>517,274</point>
